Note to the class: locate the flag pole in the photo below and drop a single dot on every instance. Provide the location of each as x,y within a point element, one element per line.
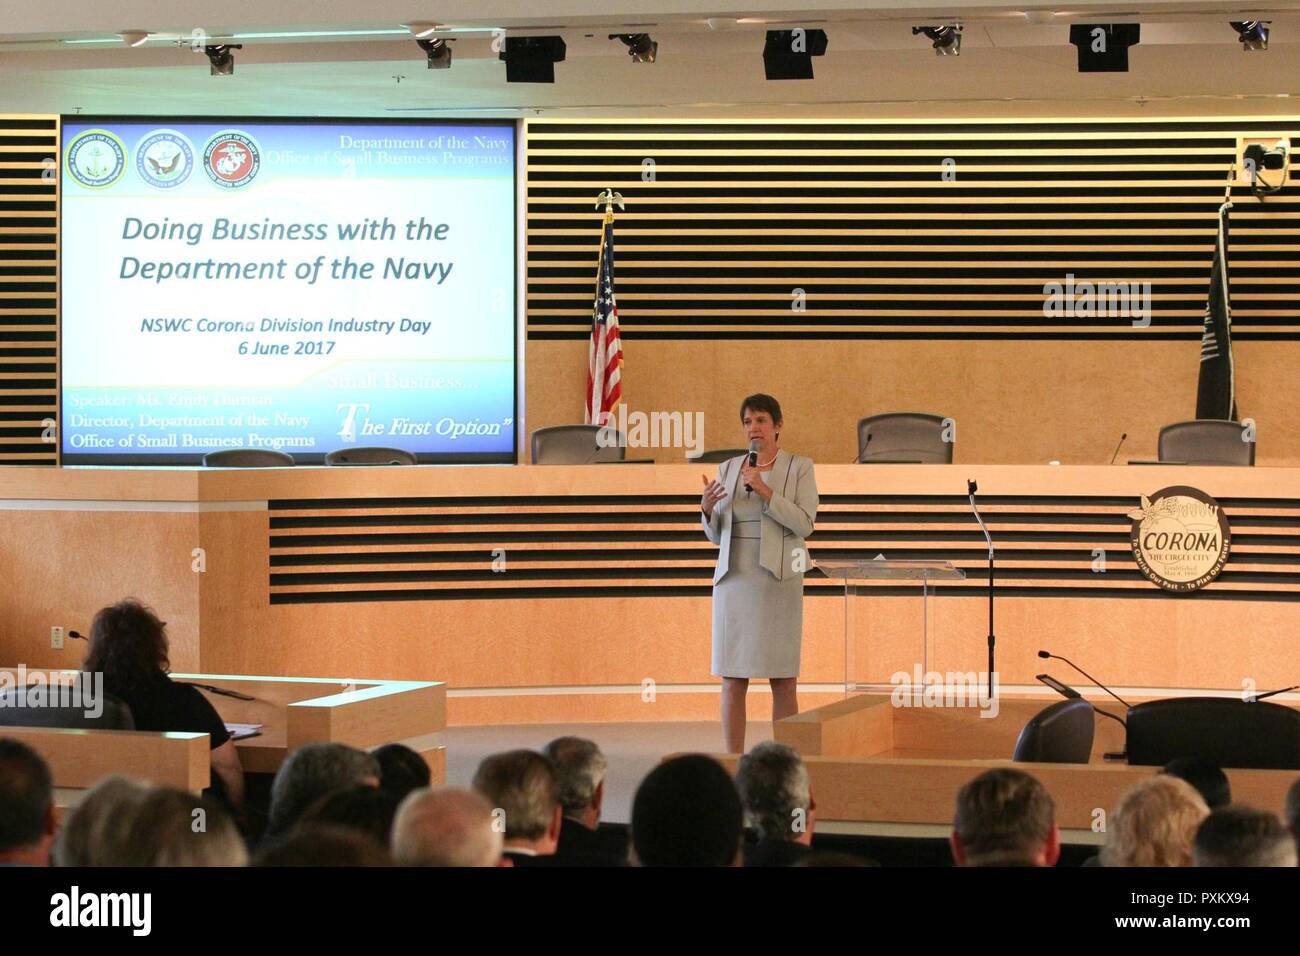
<point>609,197</point>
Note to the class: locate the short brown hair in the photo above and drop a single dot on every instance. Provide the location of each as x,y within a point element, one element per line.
<point>761,403</point>
<point>1003,815</point>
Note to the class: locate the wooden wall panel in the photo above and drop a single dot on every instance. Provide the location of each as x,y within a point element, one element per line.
<point>921,294</point>
<point>29,288</point>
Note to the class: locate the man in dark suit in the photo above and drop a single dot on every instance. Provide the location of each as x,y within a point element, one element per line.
<point>580,767</point>
<point>779,807</point>
<point>523,791</point>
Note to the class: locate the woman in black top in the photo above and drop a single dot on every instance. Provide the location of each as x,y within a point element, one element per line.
<point>128,645</point>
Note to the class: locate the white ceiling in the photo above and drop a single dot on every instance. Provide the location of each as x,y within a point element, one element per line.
<point>1188,63</point>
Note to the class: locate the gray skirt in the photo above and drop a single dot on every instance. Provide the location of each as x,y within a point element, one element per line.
<point>757,620</point>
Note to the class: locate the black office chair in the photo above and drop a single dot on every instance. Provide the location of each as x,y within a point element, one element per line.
<point>247,458</point>
<point>1061,733</point>
<point>715,456</point>
<point>1223,730</point>
<point>904,437</point>
<point>577,445</point>
<point>1206,441</point>
<point>370,456</point>
<point>18,709</point>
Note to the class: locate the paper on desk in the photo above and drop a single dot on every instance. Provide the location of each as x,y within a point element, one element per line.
<point>240,731</point>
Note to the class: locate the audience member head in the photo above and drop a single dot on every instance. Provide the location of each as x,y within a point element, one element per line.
<point>580,769</point>
<point>26,805</point>
<point>776,793</point>
<point>687,813</point>
<point>1243,836</point>
<point>312,771</point>
<point>322,845</point>
<point>365,810</point>
<point>522,784</point>
<point>174,828</point>
<point>401,770</point>
<point>1292,810</point>
<point>97,832</point>
<point>446,827</point>
<point>1206,776</point>
<point>1155,824</point>
<point>1005,817</point>
<point>128,645</point>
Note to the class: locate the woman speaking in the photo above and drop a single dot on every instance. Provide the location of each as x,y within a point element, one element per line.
<point>759,515</point>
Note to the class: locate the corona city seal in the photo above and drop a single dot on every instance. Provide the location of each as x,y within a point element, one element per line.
<point>1180,538</point>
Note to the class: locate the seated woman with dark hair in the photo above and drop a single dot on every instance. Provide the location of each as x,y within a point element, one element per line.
<point>128,645</point>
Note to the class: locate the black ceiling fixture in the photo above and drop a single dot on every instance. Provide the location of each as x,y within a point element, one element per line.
<point>1103,47</point>
<point>532,59</point>
<point>787,54</point>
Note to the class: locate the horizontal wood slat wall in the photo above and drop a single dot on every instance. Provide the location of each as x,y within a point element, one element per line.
<point>344,550</point>
<point>29,288</point>
<point>919,294</point>
<point>859,216</point>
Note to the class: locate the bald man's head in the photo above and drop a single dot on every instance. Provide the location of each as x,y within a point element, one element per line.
<point>446,827</point>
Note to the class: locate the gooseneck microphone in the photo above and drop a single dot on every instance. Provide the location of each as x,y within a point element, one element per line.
<point>1056,657</point>
<point>753,460</point>
<point>971,488</point>
<point>1122,439</point>
<point>863,450</point>
<point>1069,693</point>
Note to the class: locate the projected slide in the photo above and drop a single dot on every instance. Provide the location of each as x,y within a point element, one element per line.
<point>296,286</point>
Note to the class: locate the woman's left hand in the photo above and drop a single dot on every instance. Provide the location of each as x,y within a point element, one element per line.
<point>749,475</point>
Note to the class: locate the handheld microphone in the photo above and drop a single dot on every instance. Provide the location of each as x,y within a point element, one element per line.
<point>1046,655</point>
<point>863,450</point>
<point>753,460</point>
<point>1117,447</point>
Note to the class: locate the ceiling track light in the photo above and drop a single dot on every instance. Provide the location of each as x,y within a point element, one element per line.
<point>1253,34</point>
<point>221,61</point>
<point>134,38</point>
<point>946,40</point>
<point>640,47</point>
<point>438,52</point>
<point>787,54</point>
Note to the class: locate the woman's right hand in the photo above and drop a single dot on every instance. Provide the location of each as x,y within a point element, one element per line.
<point>713,493</point>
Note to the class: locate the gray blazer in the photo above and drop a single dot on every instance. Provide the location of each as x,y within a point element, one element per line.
<point>787,518</point>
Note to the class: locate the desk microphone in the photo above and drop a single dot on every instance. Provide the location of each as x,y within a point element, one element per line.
<point>1069,693</point>
<point>1117,447</point>
<point>212,689</point>
<point>753,460</point>
<point>1046,655</point>
<point>1254,698</point>
<point>78,636</point>
<point>863,450</point>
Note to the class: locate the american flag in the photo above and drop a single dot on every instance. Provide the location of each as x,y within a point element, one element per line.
<point>605,351</point>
